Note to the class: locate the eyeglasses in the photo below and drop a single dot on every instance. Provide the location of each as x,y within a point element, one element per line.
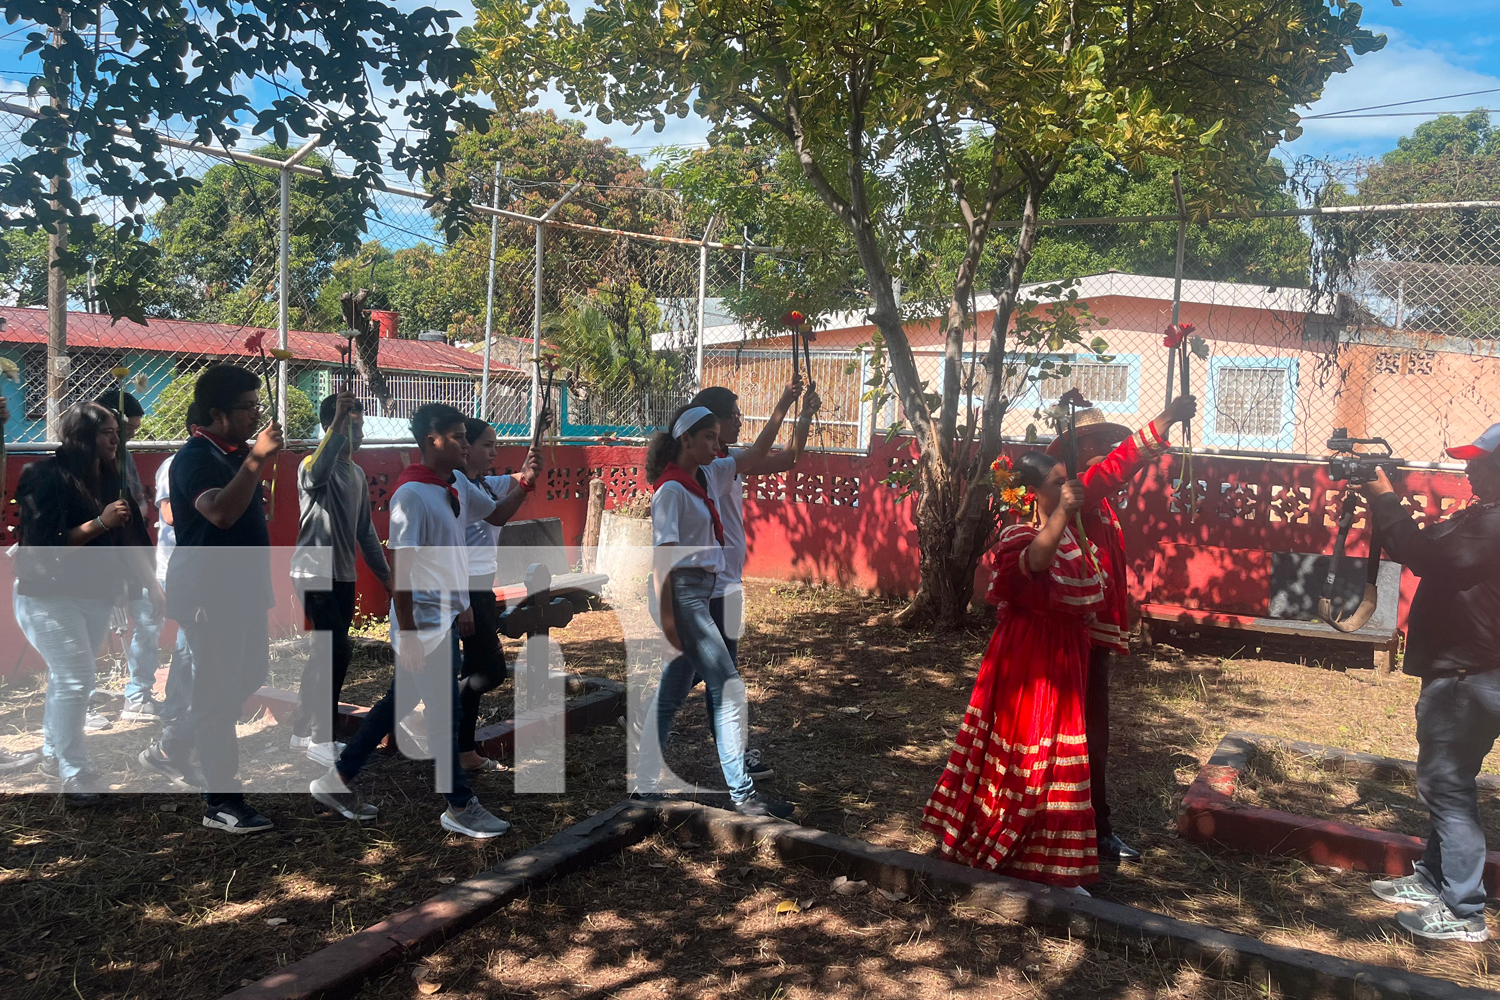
<point>258,408</point>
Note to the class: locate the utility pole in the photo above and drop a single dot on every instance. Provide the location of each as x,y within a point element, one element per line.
<point>57,282</point>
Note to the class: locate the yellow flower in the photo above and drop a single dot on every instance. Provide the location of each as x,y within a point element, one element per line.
<point>1013,495</point>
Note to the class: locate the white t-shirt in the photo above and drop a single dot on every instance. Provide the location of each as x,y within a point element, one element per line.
<point>679,518</point>
<point>166,535</point>
<point>729,494</point>
<point>423,522</point>
<point>482,536</point>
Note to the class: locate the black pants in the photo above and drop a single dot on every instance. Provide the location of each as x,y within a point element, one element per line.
<point>483,668</point>
<point>1096,726</point>
<point>331,613</point>
<point>231,655</point>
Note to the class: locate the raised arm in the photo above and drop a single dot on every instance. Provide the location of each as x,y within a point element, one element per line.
<point>525,480</point>
<point>1043,548</point>
<point>1114,470</point>
<point>223,507</point>
<point>757,452</point>
<point>784,459</point>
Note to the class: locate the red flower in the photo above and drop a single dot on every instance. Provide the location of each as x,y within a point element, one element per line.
<point>794,319</point>
<point>1176,334</point>
<point>256,342</point>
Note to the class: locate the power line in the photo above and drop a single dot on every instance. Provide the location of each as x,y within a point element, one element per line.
<point>1402,104</point>
<point>1416,114</point>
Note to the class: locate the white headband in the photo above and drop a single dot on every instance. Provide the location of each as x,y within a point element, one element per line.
<point>687,420</point>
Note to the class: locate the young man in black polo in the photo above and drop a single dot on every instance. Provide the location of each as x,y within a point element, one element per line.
<point>219,590</point>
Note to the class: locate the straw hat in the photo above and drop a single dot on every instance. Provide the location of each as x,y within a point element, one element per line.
<point>1091,425</point>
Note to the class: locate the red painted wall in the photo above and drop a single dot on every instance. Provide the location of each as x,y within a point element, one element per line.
<point>834,521</point>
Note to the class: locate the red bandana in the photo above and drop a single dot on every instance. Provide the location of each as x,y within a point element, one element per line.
<point>420,473</point>
<point>674,473</point>
<point>225,445</point>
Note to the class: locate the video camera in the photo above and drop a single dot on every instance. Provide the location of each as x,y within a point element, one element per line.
<point>1358,467</point>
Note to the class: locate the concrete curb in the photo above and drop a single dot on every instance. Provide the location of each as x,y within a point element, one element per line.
<point>1211,816</point>
<point>1295,971</point>
<point>342,967</point>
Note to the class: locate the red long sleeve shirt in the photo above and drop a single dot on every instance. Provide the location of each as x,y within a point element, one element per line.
<point>1101,483</point>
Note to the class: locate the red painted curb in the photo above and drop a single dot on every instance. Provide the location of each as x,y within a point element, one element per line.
<point>1211,816</point>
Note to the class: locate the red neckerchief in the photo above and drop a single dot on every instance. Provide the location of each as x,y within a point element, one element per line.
<point>420,473</point>
<point>223,444</point>
<point>674,473</point>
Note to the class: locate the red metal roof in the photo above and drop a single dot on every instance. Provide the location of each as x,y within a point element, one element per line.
<point>93,330</point>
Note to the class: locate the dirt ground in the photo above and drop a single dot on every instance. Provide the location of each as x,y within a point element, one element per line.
<point>1279,779</point>
<point>675,919</point>
<point>136,899</point>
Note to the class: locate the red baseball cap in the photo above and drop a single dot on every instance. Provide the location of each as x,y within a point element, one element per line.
<point>1485,444</point>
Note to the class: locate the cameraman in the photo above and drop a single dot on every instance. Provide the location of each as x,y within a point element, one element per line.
<point>1453,644</point>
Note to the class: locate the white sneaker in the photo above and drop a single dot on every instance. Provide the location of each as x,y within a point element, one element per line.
<point>474,820</point>
<point>1078,890</point>
<point>93,722</point>
<point>332,791</point>
<point>300,743</point>
<point>326,754</point>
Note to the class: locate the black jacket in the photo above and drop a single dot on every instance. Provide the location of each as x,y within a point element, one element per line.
<point>46,566</point>
<point>1454,622</point>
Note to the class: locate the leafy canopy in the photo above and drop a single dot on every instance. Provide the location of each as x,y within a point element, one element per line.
<point>165,61</point>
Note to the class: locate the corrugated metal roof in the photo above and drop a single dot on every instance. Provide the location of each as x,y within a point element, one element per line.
<point>172,336</point>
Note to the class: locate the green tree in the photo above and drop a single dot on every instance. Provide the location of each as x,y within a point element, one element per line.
<point>1436,268</point>
<point>166,421</point>
<point>219,244</point>
<point>603,339</point>
<point>202,65</point>
<point>881,101</point>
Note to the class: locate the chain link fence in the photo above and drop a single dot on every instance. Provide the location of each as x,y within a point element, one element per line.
<point>1379,318</point>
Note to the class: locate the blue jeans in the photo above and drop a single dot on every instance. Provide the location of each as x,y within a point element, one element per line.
<point>442,668</point>
<point>143,656</point>
<point>179,681</point>
<point>67,632</point>
<point>1458,720</point>
<point>732,644</point>
<point>230,656</point>
<point>703,655</point>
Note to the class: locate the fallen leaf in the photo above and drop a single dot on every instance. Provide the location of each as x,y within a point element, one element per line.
<point>43,934</point>
<point>169,807</point>
<point>850,888</point>
<point>806,904</point>
<point>657,864</point>
<point>275,921</point>
<point>786,906</point>
<point>840,880</point>
<point>894,897</point>
<point>850,709</point>
<point>445,879</point>
<point>423,976</point>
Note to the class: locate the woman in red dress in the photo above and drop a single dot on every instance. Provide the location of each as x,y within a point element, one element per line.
<point>1015,795</point>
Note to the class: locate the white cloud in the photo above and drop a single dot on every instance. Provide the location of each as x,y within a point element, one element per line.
<point>1403,71</point>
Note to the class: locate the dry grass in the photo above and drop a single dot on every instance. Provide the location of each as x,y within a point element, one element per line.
<point>674,918</point>
<point>855,715</point>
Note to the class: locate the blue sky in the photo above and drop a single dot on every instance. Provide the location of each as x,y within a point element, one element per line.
<point>1436,48</point>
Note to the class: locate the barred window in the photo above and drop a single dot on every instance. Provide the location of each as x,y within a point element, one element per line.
<point>1099,382</point>
<point>1251,401</point>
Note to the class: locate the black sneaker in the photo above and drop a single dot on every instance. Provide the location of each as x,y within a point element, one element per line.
<point>78,791</point>
<point>235,816</point>
<point>144,710</point>
<point>757,766</point>
<point>48,766</point>
<point>18,761</point>
<point>182,774</point>
<point>762,805</point>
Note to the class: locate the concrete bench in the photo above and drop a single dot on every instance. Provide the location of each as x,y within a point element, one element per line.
<point>1272,592</point>
<point>541,540</point>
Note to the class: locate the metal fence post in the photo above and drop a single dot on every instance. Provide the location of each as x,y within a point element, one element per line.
<point>536,310</point>
<point>708,234</point>
<point>284,271</point>
<point>1182,222</point>
<point>57,282</point>
<point>489,302</point>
